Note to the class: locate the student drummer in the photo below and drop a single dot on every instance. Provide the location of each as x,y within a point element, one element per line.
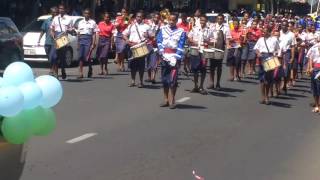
<point>61,24</point>
<point>200,36</point>
<point>266,47</point>
<point>135,34</point>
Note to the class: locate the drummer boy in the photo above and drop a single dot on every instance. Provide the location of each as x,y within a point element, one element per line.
<point>199,37</point>
<point>135,34</point>
<point>266,47</point>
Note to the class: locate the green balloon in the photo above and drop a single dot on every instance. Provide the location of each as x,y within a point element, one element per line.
<point>50,124</point>
<point>15,129</point>
<point>41,121</point>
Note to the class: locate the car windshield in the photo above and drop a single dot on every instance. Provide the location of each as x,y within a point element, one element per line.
<point>34,26</point>
<point>7,28</point>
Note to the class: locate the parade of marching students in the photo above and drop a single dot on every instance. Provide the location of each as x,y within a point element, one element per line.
<point>277,49</point>
<point>159,89</point>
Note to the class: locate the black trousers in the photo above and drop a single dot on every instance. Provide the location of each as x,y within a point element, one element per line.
<point>61,55</point>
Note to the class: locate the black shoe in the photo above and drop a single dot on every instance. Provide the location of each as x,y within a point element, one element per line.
<point>64,76</point>
<point>164,104</point>
<point>203,92</point>
<point>153,82</point>
<point>89,74</point>
<point>195,90</point>
<point>147,80</point>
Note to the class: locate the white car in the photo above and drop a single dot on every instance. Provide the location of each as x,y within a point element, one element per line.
<point>35,52</point>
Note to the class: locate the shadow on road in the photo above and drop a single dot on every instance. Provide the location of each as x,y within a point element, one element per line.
<point>118,74</point>
<point>300,90</point>
<point>279,104</point>
<point>220,94</point>
<point>78,80</point>
<point>187,106</point>
<point>230,90</point>
<point>286,98</point>
<point>102,77</point>
<point>248,82</point>
<point>151,86</point>
<point>301,86</point>
<point>296,95</point>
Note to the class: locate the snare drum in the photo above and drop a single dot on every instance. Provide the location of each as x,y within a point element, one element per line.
<point>218,54</point>
<point>62,40</point>
<point>271,63</point>
<point>194,51</point>
<point>208,53</point>
<point>139,50</point>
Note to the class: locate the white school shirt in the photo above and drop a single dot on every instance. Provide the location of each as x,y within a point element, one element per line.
<point>87,27</point>
<point>132,32</point>
<point>314,54</point>
<point>65,22</point>
<point>199,35</point>
<point>215,27</point>
<point>272,43</point>
<point>311,38</point>
<point>287,40</point>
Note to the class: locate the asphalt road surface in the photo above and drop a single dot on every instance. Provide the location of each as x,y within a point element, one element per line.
<point>107,131</point>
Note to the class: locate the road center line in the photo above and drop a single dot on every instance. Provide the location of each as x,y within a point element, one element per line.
<point>183,99</point>
<point>81,138</point>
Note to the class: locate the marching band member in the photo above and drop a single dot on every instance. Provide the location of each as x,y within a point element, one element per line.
<point>137,33</point>
<point>313,69</point>
<point>106,29</point>
<point>153,57</point>
<point>200,37</point>
<point>185,25</point>
<point>49,42</point>
<point>311,35</point>
<point>222,37</point>
<point>87,30</point>
<point>171,42</point>
<point>266,47</point>
<point>121,24</point>
<point>302,51</point>
<point>287,43</point>
<point>234,52</point>
<point>61,24</point>
<point>254,33</point>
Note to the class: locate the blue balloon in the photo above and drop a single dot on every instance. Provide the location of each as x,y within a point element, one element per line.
<point>18,73</point>
<point>11,101</point>
<point>51,90</point>
<point>32,95</point>
<point>3,83</point>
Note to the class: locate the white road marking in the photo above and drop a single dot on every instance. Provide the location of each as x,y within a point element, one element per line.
<point>183,99</point>
<point>81,138</point>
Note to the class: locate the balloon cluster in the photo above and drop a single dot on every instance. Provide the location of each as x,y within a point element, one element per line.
<point>26,102</point>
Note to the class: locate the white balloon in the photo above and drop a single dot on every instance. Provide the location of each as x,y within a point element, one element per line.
<point>32,95</point>
<point>18,73</point>
<point>11,101</point>
<point>51,90</point>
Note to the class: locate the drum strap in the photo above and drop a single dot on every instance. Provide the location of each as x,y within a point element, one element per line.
<point>59,23</point>
<point>138,32</point>
<point>265,42</point>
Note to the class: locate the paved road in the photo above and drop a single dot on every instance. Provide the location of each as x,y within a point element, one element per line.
<point>225,135</point>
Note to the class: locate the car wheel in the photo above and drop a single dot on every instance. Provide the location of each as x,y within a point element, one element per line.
<point>69,57</point>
